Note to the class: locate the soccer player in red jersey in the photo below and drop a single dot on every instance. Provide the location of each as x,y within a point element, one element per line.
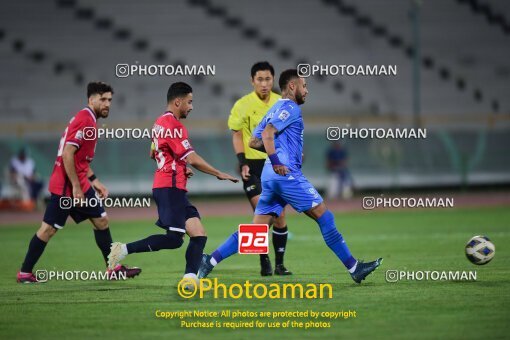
<point>172,152</point>
<point>73,177</point>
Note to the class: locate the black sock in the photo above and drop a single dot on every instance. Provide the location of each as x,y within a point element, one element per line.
<point>194,253</point>
<point>103,241</point>
<point>279,243</point>
<point>35,250</point>
<point>264,257</point>
<point>171,240</point>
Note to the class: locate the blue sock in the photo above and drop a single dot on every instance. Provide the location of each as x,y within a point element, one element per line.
<point>228,248</point>
<point>334,239</point>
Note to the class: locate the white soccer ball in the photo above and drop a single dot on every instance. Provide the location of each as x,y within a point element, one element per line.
<point>480,250</point>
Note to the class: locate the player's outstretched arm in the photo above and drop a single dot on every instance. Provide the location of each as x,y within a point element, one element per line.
<point>268,140</point>
<point>70,168</point>
<point>201,165</point>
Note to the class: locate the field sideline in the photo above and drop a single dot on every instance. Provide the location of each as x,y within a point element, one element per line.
<point>407,239</point>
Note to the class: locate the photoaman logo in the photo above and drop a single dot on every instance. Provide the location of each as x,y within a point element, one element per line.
<point>189,287</point>
<point>253,239</point>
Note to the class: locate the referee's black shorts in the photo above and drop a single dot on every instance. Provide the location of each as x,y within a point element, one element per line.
<point>253,187</point>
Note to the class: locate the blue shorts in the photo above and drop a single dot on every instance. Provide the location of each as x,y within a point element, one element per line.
<point>174,208</point>
<point>60,208</point>
<point>293,189</point>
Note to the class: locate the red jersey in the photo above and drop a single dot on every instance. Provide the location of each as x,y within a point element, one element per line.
<point>81,132</point>
<point>171,144</point>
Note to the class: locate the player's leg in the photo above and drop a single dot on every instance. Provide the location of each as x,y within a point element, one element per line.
<point>172,217</point>
<point>280,234</point>
<point>359,270</point>
<point>303,197</point>
<point>102,235</point>
<point>197,239</point>
<point>332,237</point>
<point>104,241</point>
<point>269,205</point>
<point>54,219</point>
<point>227,249</point>
<point>35,250</point>
<point>157,242</point>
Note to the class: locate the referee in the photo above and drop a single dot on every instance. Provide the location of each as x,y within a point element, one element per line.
<point>244,117</point>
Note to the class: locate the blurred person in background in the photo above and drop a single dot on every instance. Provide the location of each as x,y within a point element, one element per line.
<point>340,181</point>
<point>24,179</point>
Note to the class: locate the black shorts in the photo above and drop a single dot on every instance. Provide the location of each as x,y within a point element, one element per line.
<point>174,208</point>
<point>60,208</point>
<point>252,187</point>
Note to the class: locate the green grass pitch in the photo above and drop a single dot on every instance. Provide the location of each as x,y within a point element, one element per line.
<point>408,240</point>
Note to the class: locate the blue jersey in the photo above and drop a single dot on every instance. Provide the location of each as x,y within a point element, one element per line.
<point>285,116</point>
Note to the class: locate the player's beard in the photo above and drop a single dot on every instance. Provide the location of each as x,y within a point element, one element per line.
<point>300,99</point>
<point>104,113</point>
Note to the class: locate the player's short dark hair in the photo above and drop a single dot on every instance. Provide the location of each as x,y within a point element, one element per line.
<point>98,87</point>
<point>177,90</point>
<point>286,76</point>
<point>261,66</point>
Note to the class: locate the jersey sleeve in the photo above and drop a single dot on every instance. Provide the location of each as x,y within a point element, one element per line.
<point>284,117</point>
<point>257,133</point>
<point>237,119</point>
<point>79,128</point>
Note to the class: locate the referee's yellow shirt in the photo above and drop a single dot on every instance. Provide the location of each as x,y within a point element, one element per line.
<point>246,114</point>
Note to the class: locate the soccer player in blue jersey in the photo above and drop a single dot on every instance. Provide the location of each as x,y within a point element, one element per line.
<point>280,135</point>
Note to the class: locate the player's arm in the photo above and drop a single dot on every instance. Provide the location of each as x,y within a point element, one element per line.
<point>237,142</point>
<point>70,168</point>
<point>268,140</point>
<point>201,165</point>
<point>236,123</point>
<point>96,184</point>
<point>257,144</point>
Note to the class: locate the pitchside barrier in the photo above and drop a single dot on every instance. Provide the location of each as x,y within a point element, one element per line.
<point>446,157</point>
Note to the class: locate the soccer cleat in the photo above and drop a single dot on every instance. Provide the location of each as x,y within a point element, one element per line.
<point>113,274</point>
<point>364,269</point>
<point>115,255</point>
<point>281,270</point>
<point>192,282</point>
<point>205,266</point>
<point>265,266</point>
<point>26,278</point>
